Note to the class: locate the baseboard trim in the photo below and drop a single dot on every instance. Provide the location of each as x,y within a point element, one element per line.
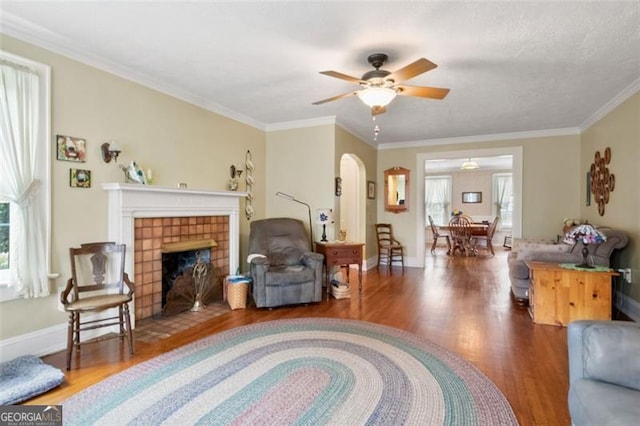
<point>627,306</point>
<point>45,341</point>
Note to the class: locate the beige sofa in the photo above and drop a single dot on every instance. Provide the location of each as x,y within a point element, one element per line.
<point>524,250</point>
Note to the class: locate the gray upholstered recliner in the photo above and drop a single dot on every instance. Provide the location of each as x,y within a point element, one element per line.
<point>283,268</point>
<point>604,373</point>
<point>522,252</point>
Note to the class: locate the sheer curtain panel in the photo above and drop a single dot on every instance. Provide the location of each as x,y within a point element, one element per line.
<point>19,185</point>
<point>438,198</point>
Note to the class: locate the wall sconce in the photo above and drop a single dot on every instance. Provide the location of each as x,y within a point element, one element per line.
<point>235,173</point>
<point>110,151</point>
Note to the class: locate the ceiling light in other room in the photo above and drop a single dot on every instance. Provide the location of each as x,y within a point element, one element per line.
<point>377,96</point>
<point>469,165</point>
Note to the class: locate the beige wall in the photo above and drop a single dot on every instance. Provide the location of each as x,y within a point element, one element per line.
<point>178,141</point>
<point>473,181</point>
<point>300,163</point>
<point>619,130</point>
<point>551,183</point>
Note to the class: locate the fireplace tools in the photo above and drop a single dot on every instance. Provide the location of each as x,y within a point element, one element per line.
<point>200,283</point>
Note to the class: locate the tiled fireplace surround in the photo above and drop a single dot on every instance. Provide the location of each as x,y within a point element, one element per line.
<point>144,217</point>
<point>151,233</point>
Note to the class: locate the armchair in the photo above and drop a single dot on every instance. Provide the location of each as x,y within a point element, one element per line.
<point>604,372</point>
<point>283,270</point>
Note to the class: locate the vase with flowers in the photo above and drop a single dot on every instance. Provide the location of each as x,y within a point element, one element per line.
<point>456,212</point>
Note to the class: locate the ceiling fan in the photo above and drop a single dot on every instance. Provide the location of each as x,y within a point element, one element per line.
<point>379,87</point>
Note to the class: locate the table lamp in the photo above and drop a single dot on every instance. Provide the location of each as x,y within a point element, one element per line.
<point>586,234</point>
<point>324,216</point>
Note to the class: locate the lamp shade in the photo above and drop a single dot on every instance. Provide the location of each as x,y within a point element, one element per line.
<point>585,234</point>
<point>377,96</point>
<point>324,216</point>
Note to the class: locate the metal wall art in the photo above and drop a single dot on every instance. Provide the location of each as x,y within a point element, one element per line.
<point>603,182</point>
<point>248,208</point>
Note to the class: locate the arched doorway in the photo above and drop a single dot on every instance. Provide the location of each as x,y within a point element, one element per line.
<point>352,217</point>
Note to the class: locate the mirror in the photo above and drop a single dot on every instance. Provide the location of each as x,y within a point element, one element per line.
<point>396,190</point>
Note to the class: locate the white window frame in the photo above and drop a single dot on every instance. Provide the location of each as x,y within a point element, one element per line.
<point>7,290</point>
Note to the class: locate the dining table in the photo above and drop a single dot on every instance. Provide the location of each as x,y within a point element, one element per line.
<point>476,229</point>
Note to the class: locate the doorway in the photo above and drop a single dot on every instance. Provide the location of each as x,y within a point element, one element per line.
<point>516,206</point>
<point>352,217</point>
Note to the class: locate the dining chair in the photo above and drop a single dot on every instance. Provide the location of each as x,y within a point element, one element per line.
<point>488,238</point>
<point>389,249</point>
<point>436,235</point>
<point>460,231</point>
<point>98,283</point>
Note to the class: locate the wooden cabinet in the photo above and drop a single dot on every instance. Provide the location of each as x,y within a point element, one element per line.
<point>558,296</point>
<point>341,254</point>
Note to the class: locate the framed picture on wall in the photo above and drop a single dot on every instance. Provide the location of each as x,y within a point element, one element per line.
<point>70,148</point>
<point>472,197</point>
<point>371,190</point>
<point>79,178</point>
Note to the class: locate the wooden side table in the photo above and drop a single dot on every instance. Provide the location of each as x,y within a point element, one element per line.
<point>559,295</point>
<point>340,254</point>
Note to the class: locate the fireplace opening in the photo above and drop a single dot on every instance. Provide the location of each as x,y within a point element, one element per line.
<point>189,278</point>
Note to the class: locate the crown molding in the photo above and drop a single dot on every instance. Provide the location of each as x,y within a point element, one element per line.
<point>569,131</point>
<point>299,124</point>
<point>28,32</point>
<point>357,135</point>
<point>625,94</point>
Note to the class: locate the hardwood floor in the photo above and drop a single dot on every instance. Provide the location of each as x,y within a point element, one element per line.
<point>462,304</point>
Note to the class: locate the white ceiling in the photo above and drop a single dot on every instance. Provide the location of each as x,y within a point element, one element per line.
<point>511,67</point>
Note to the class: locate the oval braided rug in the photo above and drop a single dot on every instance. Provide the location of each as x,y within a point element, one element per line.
<point>302,371</point>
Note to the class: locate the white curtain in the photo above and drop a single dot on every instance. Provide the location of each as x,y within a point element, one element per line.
<point>437,202</point>
<point>19,110</point>
<point>503,198</point>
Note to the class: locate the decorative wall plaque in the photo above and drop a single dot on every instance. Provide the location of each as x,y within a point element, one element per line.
<point>602,181</point>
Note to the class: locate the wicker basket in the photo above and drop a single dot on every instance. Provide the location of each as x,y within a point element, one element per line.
<point>237,295</point>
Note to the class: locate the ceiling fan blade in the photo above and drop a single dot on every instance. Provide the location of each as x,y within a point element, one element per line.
<point>422,92</point>
<point>343,77</point>
<point>375,110</point>
<point>335,98</point>
<point>418,67</point>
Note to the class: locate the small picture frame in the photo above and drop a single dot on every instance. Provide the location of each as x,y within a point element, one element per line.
<point>588,192</point>
<point>472,197</point>
<point>70,148</point>
<point>338,187</point>
<point>371,190</point>
<point>79,178</point>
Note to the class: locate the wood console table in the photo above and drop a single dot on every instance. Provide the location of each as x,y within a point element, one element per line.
<point>341,254</point>
<point>558,296</point>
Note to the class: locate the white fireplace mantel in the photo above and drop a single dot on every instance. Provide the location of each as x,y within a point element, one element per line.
<point>127,201</point>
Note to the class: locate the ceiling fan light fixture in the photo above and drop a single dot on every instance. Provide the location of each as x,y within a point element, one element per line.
<point>469,165</point>
<point>377,96</point>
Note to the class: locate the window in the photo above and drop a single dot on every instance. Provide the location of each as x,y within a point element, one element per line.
<point>24,177</point>
<point>503,198</point>
<point>437,199</point>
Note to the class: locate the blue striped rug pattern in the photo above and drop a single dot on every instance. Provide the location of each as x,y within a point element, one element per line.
<point>310,371</point>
